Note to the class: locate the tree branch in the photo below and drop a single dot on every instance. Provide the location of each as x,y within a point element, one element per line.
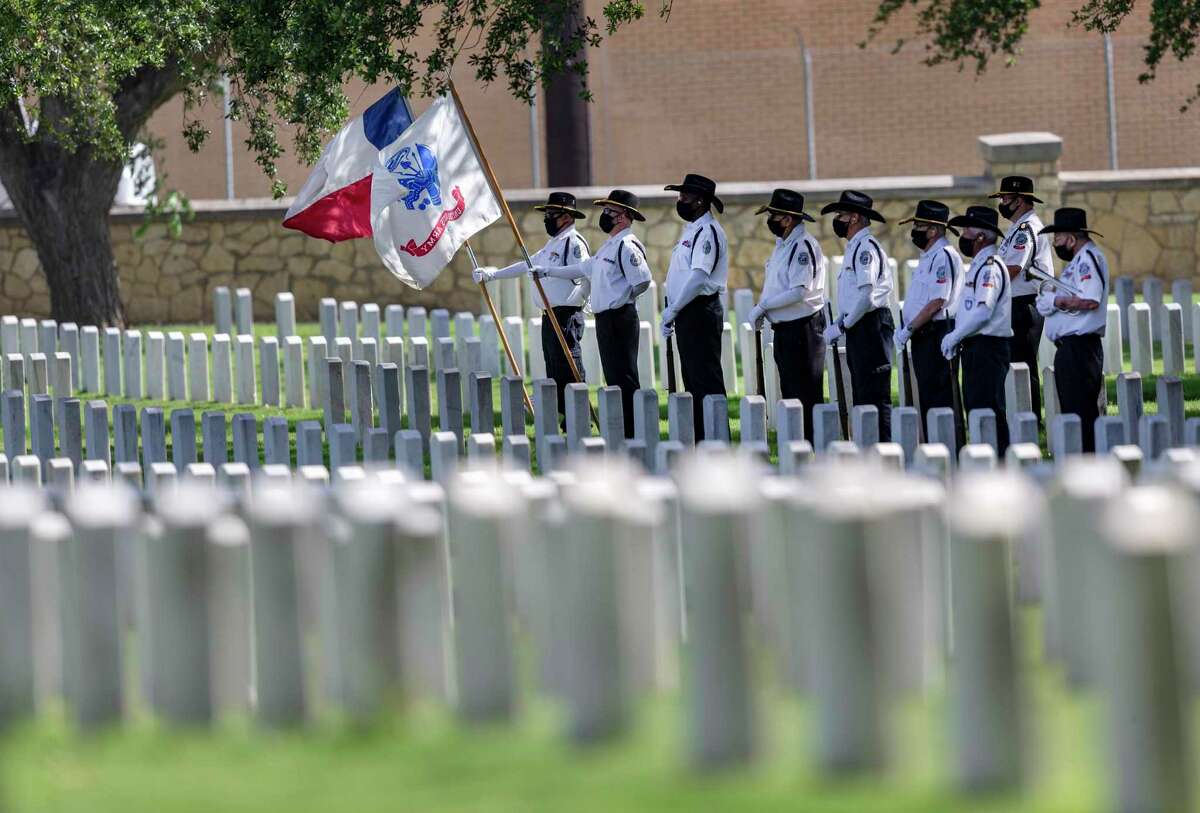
<point>140,94</point>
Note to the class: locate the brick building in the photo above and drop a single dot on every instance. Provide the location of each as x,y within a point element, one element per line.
<point>720,88</point>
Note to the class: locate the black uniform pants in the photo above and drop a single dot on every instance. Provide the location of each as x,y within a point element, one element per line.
<point>1023,346</point>
<point>1078,377</point>
<point>984,361</point>
<point>617,336</point>
<point>931,369</point>
<point>869,356</point>
<point>698,336</point>
<point>800,357</point>
<point>570,319</point>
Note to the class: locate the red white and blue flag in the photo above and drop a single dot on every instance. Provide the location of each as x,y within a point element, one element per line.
<point>418,188</point>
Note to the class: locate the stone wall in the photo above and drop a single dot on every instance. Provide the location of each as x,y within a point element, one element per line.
<point>1148,219</point>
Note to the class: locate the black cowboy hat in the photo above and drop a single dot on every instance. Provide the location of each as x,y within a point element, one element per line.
<point>786,202</point>
<point>560,202</point>
<point>1069,219</point>
<point>701,186</point>
<point>626,200</point>
<point>1017,185</point>
<point>931,211</point>
<point>856,202</point>
<point>978,217</point>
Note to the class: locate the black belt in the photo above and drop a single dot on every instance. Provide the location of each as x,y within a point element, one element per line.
<point>1023,297</point>
<point>929,327</point>
<point>1088,338</point>
<point>978,339</point>
<point>797,321</point>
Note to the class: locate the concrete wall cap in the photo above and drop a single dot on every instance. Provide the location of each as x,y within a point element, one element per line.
<point>1019,148</point>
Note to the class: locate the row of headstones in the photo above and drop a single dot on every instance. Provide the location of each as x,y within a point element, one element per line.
<point>1131,435</point>
<point>851,574</point>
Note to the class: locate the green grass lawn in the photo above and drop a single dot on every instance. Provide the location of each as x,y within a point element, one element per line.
<point>294,416</point>
<point>419,759</point>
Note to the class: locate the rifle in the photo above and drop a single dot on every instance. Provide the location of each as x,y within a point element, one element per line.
<point>670,361</point>
<point>910,386</point>
<point>956,402</point>
<point>758,363</point>
<point>839,384</point>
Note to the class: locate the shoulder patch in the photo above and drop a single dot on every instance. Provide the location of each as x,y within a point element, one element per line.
<point>635,258</point>
<point>1021,239</point>
<point>803,258</point>
<point>865,257</point>
<point>707,247</point>
<point>941,275</point>
<point>578,251</point>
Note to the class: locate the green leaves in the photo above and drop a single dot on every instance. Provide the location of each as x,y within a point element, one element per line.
<point>961,31</point>
<point>91,72</point>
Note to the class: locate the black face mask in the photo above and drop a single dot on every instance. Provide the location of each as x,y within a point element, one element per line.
<point>841,228</point>
<point>967,247</point>
<point>551,223</point>
<point>920,238</point>
<point>1007,210</point>
<point>688,211</point>
<point>1064,253</point>
<point>775,226</point>
<point>606,222</point>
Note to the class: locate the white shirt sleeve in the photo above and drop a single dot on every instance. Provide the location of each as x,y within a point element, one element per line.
<point>866,265</point>
<point>1089,281</point>
<point>1018,250</point>
<point>706,250</point>
<point>988,284</point>
<point>633,263</point>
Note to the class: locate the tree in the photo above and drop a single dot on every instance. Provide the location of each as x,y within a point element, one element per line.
<point>79,79</point>
<point>568,141</point>
<point>961,32</point>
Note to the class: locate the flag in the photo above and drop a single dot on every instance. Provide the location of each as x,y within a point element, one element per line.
<point>429,195</point>
<point>335,202</point>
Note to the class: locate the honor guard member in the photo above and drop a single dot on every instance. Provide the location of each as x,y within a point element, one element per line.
<point>983,324</point>
<point>697,276</point>
<point>930,304</point>
<point>1076,323</point>
<point>864,285</point>
<point>616,277</point>
<point>793,295</point>
<point>566,246</point>
<point>1023,248</point>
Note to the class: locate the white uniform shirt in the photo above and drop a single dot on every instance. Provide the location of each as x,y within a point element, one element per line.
<point>565,248</point>
<point>796,262</point>
<point>702,245</point>
<point>1087,271</point>
<point>987,284</point>
<point>618,267</point>
<point>1022,240</point>
<point>938,275</point>
<point>864,263</point>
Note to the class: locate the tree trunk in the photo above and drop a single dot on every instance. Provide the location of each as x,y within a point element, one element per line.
<point>63,196</point>
<point>63,202</point>
<point>568,138</point>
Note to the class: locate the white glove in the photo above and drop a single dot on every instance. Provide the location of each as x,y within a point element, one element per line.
<point>832,333</point>
<point>667,329</point>
<point>537,271</point>
<point>901,337</point>
<point>484,274</point>
<point>949,346</point>
<point>757,314</point>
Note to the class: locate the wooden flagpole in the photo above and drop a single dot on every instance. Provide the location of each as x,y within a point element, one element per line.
<point>512,360</point>
<point>548,312</point>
